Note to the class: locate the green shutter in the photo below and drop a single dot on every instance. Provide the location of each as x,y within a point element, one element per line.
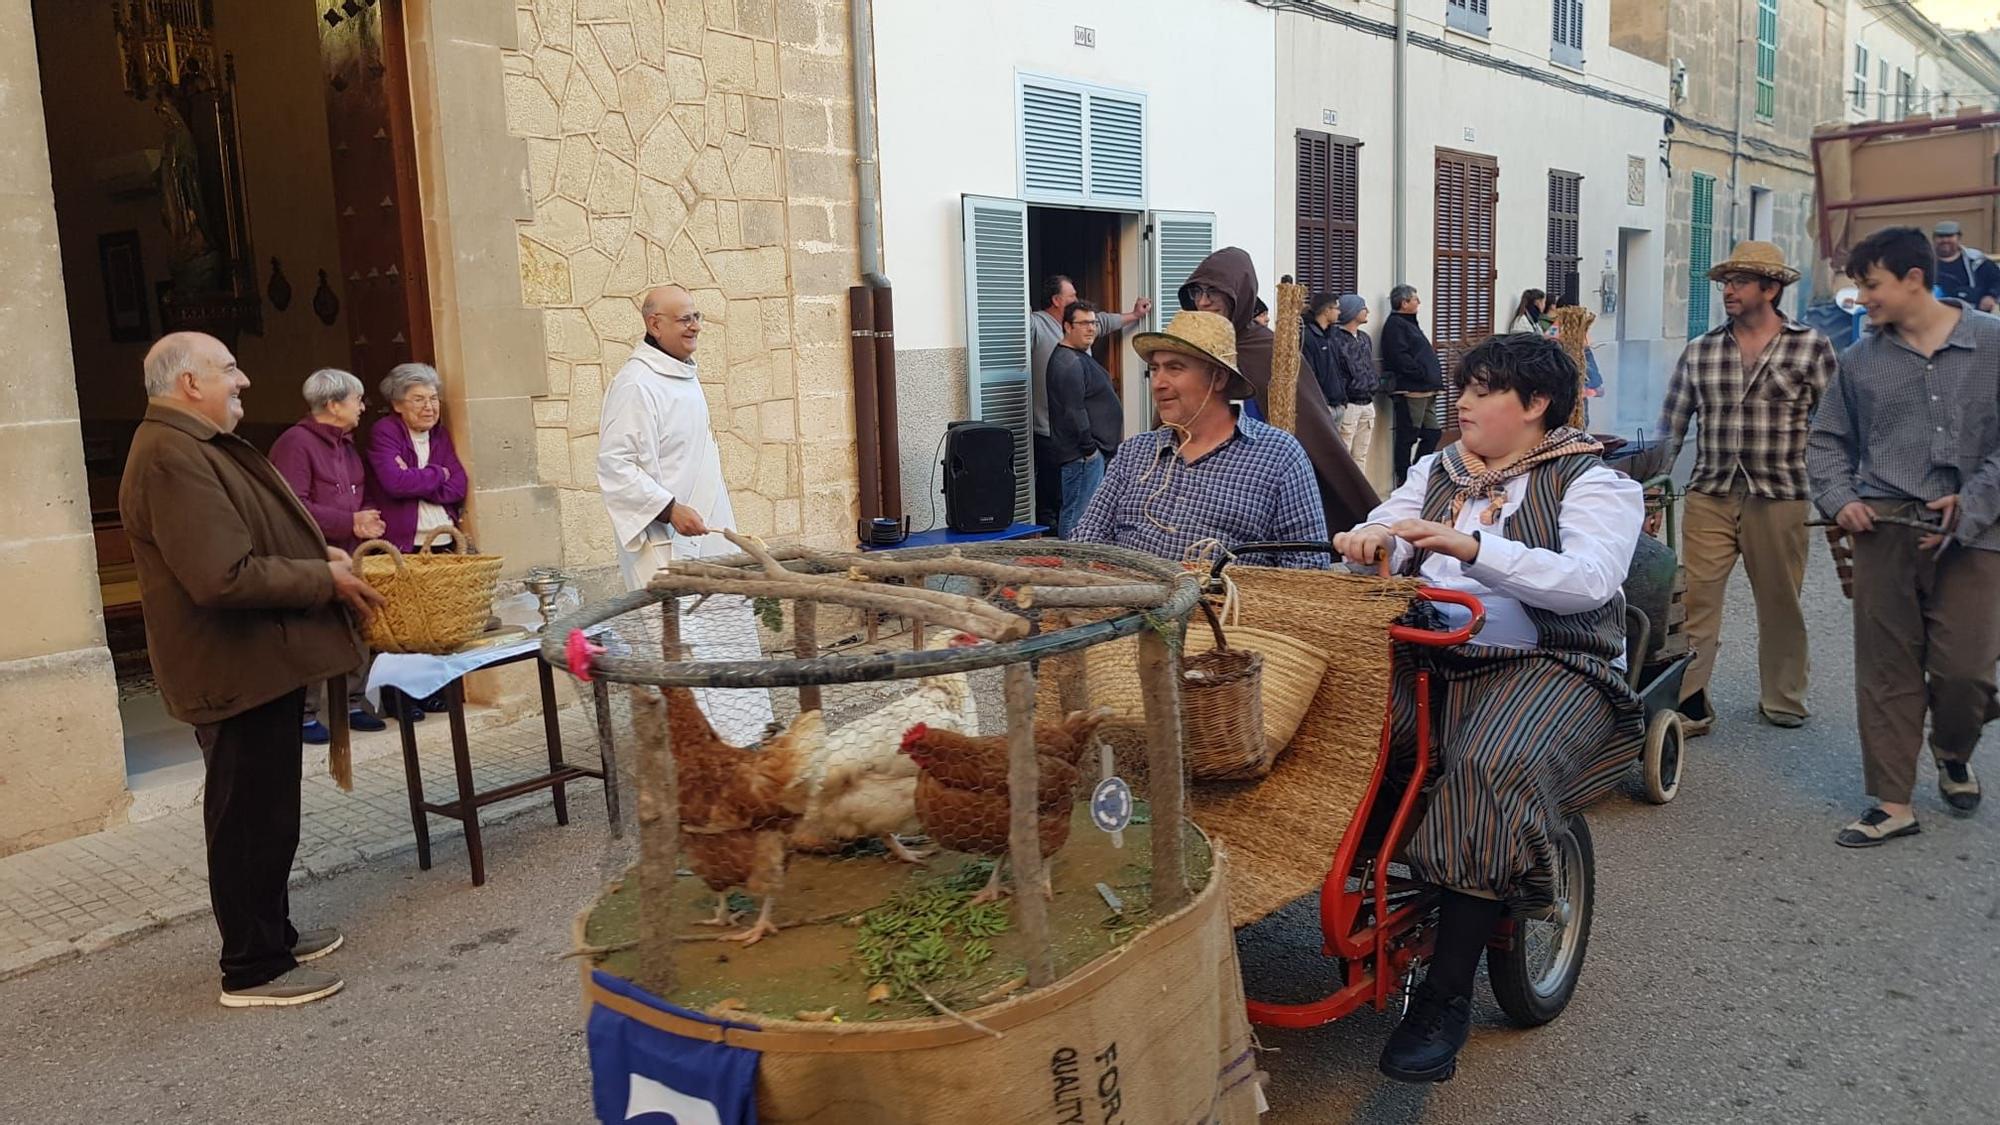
<point>996,330</point>
<point>1767,59</point>
<point>1701,253</point>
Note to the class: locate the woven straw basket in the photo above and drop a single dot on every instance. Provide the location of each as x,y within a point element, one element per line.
<point>1222,709</point>
<point>433,602</point>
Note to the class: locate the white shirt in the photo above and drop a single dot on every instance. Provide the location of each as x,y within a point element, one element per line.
<point>1601,518</point>
<point>654,446</point>
<point>429,516</point>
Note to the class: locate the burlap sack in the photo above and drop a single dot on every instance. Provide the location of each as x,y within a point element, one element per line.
<point>1154,1032</point>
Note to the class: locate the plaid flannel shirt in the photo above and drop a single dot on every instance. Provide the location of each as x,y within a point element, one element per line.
<point>1256,487</point>
<point>1753,422</point>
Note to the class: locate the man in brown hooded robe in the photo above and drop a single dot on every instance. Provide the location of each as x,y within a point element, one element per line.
<point>1226,283</point>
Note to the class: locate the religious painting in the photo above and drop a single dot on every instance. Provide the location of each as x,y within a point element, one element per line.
<point>126,297</point>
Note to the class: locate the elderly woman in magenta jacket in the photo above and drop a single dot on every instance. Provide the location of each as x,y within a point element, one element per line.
<point>416,477</point>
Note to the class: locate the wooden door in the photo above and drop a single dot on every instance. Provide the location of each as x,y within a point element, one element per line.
<point>384,302</point>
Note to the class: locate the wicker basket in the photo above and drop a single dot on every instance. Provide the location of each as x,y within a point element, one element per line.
<point>433,602</point>
<point>1291,675</point>
<point>1222,710</point>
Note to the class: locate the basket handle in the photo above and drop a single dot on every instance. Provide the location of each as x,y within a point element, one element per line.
<point>1214,623</point>
<point>377,547</point>
<point>458,542</point>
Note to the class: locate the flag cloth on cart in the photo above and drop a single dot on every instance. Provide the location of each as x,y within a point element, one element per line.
<point>643,1074</point>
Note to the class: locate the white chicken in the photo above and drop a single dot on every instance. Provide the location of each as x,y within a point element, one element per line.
<point>862,785</point>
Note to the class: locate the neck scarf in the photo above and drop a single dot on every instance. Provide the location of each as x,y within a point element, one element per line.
<point>1474,478</point>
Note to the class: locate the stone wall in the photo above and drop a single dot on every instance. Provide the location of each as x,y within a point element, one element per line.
<point>709,144</point>
<point>62,756</point>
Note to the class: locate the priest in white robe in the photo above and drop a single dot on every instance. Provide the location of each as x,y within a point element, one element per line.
<point>660,471</point>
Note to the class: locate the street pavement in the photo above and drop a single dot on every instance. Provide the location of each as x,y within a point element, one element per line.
<point>1742,968</point>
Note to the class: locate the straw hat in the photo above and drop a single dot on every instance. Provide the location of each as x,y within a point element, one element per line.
<point>1760,258</point>
<point>1205,336</point>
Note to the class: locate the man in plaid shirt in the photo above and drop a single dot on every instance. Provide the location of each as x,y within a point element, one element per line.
<point>1755,381</point>
<point>1205,474</point>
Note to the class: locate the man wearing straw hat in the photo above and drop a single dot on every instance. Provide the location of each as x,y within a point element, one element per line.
<point>1755,382</point>
<point>1205,474</point>
<point>243,601</point>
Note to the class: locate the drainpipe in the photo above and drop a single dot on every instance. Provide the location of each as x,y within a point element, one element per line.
<point>861,31</point>
<point>1736,142</point>
<point>1399,147</point>
<point>871,318</point>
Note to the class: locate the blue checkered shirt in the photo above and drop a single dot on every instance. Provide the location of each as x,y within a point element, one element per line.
<point>1256,487</point>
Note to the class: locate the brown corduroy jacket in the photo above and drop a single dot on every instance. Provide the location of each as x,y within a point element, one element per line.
<point>232,571</point>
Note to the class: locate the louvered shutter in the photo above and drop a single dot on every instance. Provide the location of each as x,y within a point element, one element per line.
<point>1468,15</point>
<point>1082,144</point>
<point>1344,217</point>
<point>1565,202</point>
<point>996,330</point>
<point>1701,251</point>
<point>1181,239</point>
<point>1462,301</point>
<point>1314,237</point>
<point>1566,37</point>
<point>1117,148</point>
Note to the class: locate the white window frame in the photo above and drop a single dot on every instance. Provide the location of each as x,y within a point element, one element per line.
<point>1087,90</point>
<point>1859,95</point>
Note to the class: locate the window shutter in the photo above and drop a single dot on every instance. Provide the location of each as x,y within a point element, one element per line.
<point>1117,149</point>
<point>1344,217</point>
<point>1565,207</point>
<point>1082,145</point>
<point>1701,250</point>
<point>1181,239</point>
<point>1468,16</point>
<point>1566,39</point>
<point>1314,216</point>
<point>996,330</point>
<point>1462,296</point>
<point>1767,59</point>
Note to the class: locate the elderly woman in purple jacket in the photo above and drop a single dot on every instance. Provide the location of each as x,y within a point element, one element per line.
<point>417,478</point>
<point>318,459</point>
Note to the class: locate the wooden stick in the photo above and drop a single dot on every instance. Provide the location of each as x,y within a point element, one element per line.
<point>1094,597</point>
<point>1024,843</point>
<point>1159,679</point>
<point>942,1010</point>
<point>980,620</point>
<point>822,582</point>
<point>659,832</point>
<point>805,645</point>
<point>972,568</point>
<point>1899,521</point>
<point>607,754</point>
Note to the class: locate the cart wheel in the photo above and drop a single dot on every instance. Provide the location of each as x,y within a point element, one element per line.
<point>1534,977</point>
<point>1665,740</point>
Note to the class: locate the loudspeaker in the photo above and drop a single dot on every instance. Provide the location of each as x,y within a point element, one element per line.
<point>978,477</point>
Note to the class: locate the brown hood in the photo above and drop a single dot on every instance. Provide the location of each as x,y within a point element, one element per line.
<point>1343,489</point>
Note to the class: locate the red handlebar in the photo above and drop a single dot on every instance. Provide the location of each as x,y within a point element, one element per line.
<point>1405,634</point>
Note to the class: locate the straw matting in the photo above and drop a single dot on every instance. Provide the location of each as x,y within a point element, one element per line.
<point>1282,831</point>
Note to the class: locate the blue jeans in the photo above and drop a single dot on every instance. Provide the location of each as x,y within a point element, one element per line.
<point>1080,479</point>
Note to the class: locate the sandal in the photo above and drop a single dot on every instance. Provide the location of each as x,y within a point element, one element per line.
<point>1959,787</point>
<point>1875,828</point>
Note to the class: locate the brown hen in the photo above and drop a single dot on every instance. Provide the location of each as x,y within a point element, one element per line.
<point>736,804</point>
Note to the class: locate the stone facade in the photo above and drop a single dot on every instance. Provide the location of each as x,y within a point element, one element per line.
<point>62,759</point>
<point>1775,154</point>
<point>709,144</point>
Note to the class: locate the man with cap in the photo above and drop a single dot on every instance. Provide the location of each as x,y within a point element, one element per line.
<point>1205,474</point>
<point>1755,382</point>
<point>1355,357</point>
<point>1962,272</point>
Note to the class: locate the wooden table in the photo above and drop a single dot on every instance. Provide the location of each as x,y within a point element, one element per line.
<point>465,808</point>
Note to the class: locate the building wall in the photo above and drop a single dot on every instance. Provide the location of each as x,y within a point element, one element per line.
<point>948,123</point>
<point>1812,65</point>
<point>62,754</point>
<point>1528,126</point>
<point>709,145</point>
<point>1887,41</point>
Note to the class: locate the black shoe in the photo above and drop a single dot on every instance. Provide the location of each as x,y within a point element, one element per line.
<point>435,703</point>
<point>1875,828</point>
<point>1424,1047</point>
<point>314,733</point>
<point>1958,786</point>
<point>407,711</point>
<point>362,720</point>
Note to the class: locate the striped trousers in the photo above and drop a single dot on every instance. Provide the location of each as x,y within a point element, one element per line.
<point>1521,741</point>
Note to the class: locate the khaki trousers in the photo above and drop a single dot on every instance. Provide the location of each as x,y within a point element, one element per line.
<point>1926,636</point>
<point>1770,537</point>
<point>1355,423</point>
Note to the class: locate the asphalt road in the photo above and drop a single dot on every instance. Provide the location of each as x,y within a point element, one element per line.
<point>1742,968</point>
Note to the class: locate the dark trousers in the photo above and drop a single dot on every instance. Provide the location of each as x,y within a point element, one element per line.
<point>250,811</point>
<point>1048,483</point>
<point>1416,433</point>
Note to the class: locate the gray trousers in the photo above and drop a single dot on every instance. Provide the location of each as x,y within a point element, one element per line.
<point>1926,638</point>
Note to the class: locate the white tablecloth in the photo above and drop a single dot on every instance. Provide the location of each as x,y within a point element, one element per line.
<point>418,675</point>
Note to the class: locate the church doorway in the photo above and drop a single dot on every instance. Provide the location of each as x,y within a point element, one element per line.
<point>243,168</point>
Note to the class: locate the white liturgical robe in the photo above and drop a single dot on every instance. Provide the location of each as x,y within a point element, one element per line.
<point>655,447</point>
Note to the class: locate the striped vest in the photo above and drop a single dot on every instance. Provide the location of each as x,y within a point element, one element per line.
<point>1597,633</point>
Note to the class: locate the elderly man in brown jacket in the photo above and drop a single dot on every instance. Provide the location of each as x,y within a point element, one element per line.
<point>243,602</point>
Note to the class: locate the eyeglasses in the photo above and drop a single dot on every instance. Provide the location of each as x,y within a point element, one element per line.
<point>1740,280</point>
<point>686,321</point>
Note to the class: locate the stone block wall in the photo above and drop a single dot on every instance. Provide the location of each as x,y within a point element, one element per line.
<point>62,751</point>
<point>708,143</point>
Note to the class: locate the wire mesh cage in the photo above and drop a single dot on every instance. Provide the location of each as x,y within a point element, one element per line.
<point>910,837</point>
